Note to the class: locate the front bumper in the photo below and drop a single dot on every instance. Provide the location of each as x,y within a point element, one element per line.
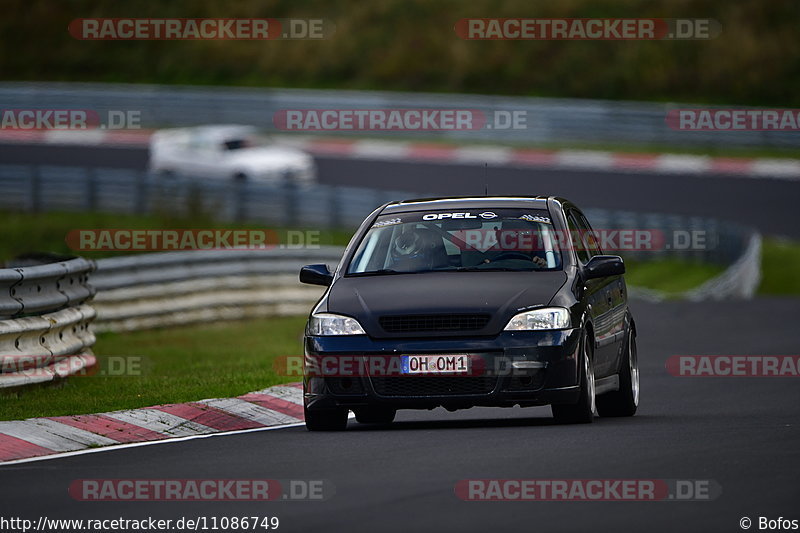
<point>548,372</point>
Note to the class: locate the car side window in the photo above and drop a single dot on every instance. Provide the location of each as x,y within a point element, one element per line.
<point>576,234</point>
<point>590,238</point>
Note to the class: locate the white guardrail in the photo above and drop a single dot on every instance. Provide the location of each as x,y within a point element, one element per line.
<point>547,120</point>
<point>44,322</point>
<point>740,280</point>
<point>172,288</point>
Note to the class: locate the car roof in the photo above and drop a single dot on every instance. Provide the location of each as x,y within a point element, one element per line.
<point>467,202</point>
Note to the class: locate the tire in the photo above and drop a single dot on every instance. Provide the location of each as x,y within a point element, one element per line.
<point>375,415</point>
<point>240,177</point>
<point>624,401</point>
<point>581,412</point>
<point>325,419</point>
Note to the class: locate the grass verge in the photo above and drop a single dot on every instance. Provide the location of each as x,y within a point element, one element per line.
<point>780,265</point>
<point>168,366</point>
<point>669,276</point>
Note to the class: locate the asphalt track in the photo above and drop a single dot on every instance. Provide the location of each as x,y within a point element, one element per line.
<point>767,204</point>
<point>743,433</point>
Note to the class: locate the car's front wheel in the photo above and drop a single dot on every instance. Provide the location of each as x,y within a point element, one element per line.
<point>581,412</point>
<point>624,401</point>
<point>325,419</point>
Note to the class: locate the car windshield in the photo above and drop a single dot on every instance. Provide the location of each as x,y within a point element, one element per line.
<point>468,240</point>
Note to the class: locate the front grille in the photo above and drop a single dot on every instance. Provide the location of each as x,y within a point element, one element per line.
<point>433,386</point>
<point>345,385</point>
<point>439,322</point>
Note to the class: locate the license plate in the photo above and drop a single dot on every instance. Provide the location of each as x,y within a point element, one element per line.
<point>435,364</point>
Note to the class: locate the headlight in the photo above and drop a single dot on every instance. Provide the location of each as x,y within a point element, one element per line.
<point>545,318</point>
<point>329,324</point>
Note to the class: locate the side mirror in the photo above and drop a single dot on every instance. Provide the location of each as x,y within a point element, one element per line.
<point>316,275</point>
<point>603,266</point>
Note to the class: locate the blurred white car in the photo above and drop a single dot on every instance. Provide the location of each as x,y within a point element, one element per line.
<point>227,152</point>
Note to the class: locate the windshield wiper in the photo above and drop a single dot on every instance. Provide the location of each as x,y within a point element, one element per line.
<point>490,269</point>
<point>378,272</point>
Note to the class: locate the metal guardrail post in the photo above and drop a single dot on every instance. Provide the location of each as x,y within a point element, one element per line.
<point>290,198</point>
<point>334,208</point>
<point>240,194</point>
<point>142,181</point>
<point>35,190</point>
<point>91,189</point>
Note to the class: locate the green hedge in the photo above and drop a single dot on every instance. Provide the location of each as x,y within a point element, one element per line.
<point>411,45</point>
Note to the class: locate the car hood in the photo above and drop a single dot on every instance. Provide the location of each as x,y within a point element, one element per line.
<point>497,294</point>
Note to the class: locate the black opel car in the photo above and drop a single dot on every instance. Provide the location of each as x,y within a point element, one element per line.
<point>462,302</point>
